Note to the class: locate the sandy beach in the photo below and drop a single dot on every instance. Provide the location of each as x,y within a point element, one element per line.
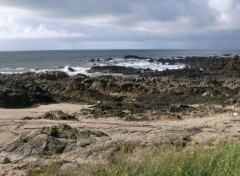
<point>37,110</point>
<point>207,131</point>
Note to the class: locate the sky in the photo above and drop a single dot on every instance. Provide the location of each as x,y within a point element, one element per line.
<point>119,24</point>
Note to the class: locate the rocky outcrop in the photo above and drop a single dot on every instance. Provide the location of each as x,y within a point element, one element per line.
<point>18,95</point>
<point>73,147</point>
<point>57,115</point>
<point>51,141</point>
<point>204,80</point>
<point>131,57</point>
<point>52,115</point>
<point>116,69</point>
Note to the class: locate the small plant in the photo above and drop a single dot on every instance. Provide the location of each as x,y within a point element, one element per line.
<point>82,102</point>
<point>48,170</point>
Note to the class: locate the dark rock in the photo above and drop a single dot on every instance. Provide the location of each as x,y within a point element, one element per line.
<point>57,115</point>
<point>61,131</point>
<point>181,142</point>
<point>16,94</point>
<point>25,118</point>
<point>71,69</point>
<point>131,57</point>
<point>53,75</point>
<point>114,69</point>
<point>109,59</point>
<point>14,98</point>
<point>5,160</point>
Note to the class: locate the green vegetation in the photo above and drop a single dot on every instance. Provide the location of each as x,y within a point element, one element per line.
<point>48,170</point>
<point>223,160</point>
<point>56,131</point>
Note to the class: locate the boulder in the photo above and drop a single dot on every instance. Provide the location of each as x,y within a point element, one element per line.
<point>57,115</point>
<point>52,141</point>
<point>17,95</point>
<point>71,69</point>
<point>14,98</point>
<point>233,57</point>
<point>5,160</point>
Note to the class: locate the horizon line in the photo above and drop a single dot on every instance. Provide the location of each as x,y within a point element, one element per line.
<point>95,49</point>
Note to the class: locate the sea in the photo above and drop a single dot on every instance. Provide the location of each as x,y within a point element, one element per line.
<point>79,61</point>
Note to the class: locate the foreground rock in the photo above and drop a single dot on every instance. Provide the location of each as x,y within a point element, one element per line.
<point>51,141</point>
<point>74,147</point>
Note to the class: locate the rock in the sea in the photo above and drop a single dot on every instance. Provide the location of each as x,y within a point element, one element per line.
<point>115,69</point>
<point>131,57</point>
<point>233,57</point>
<point>71,69</point>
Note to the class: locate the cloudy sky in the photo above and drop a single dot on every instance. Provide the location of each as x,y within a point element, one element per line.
<point>119,24</point>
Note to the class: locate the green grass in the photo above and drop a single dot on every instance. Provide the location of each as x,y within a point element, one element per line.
<point>48,170</point>
<point>169,161</point>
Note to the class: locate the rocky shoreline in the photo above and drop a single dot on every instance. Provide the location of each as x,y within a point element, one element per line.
<point>206,85</point>
<point>204,81</point>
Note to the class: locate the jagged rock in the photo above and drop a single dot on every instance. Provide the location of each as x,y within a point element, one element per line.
<point>25,118</point>
<point>52,75</point>
<point>51,141</point>
<point>5,160</point>
<point>217,76</point>
<point>233,57</point>
<point>57,115</point>
<point>17,95</point>
<point>115,69</point>
<point>71,69</point>
<point>237,104</point>
<point>52,115</point>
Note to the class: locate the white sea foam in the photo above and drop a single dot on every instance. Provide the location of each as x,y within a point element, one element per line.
<point>73,70</point>
<point>67,69</point>
<point>145,64</point>
<point>12,70</point>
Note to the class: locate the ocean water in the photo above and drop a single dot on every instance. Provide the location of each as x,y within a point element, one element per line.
<point>82,60</point>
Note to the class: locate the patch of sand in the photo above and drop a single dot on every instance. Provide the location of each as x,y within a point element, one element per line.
<point>38,110</point>
<point>204,131</point>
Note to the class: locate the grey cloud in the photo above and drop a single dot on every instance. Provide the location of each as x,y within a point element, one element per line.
<point>124,10</point>
<point>182,22</point>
